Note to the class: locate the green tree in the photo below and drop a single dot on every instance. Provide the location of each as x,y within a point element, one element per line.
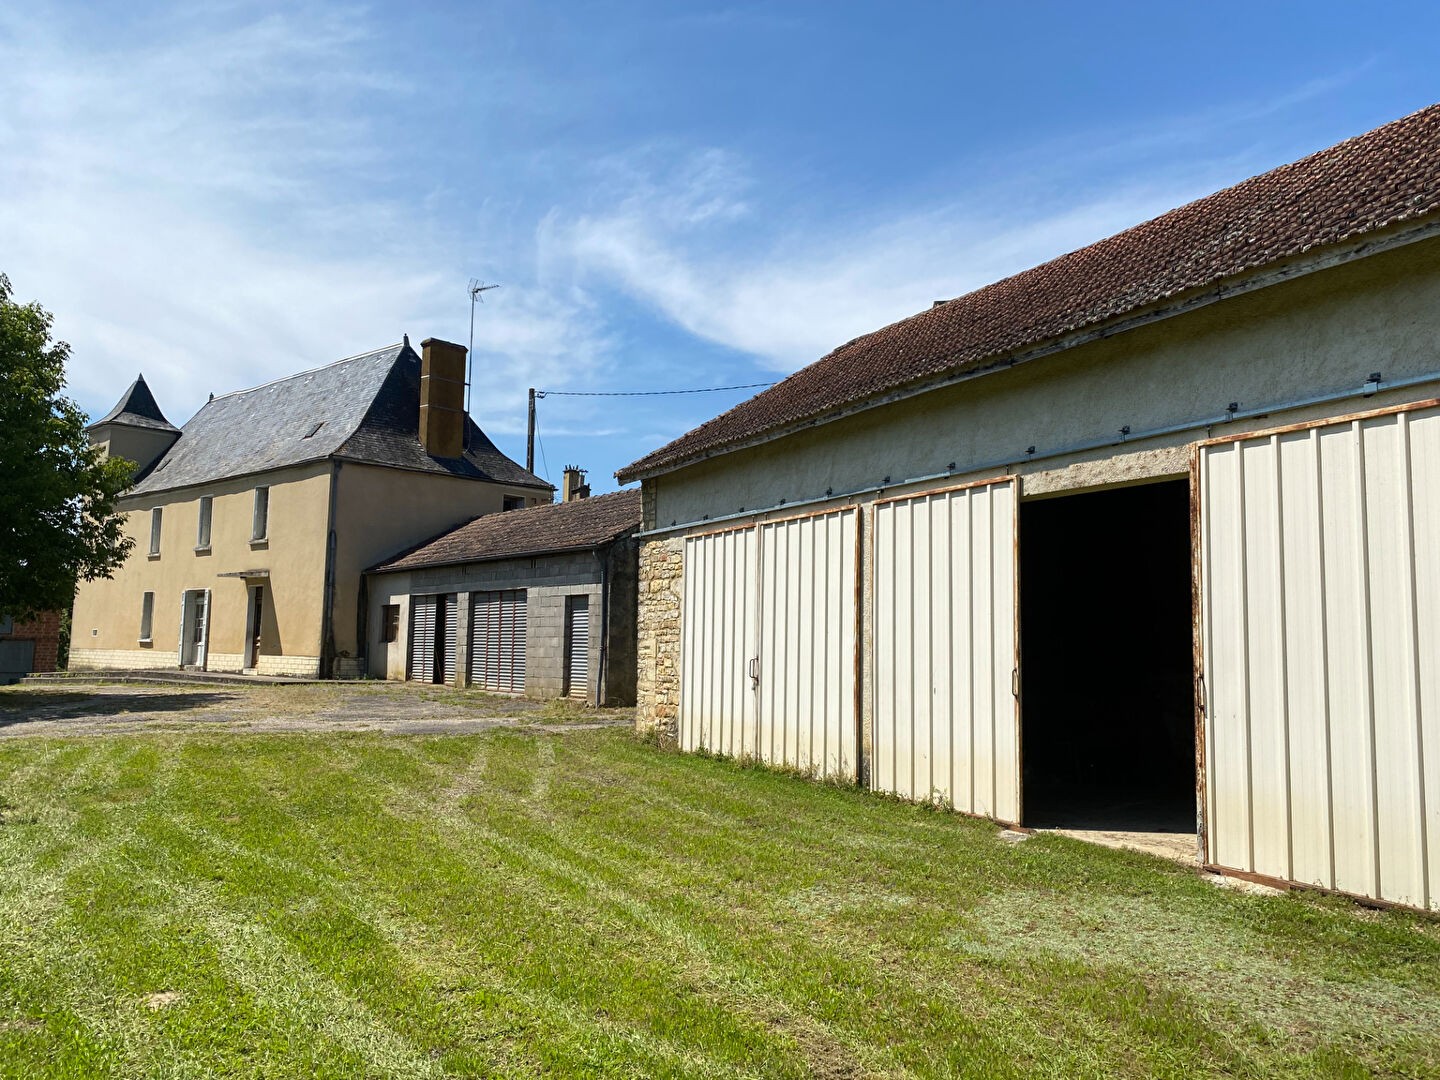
<point>58,522</point>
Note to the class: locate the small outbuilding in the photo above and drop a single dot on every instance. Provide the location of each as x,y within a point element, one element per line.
<point>28,645</point>
<point>539,602</point>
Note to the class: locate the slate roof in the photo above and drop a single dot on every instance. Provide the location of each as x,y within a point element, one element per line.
<point>136,408</point>
<point>1385,177</point>
<point>365,408</point>
<point>539,530</point>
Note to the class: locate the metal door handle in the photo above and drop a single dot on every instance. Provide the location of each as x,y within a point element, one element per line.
<point>754,671</point>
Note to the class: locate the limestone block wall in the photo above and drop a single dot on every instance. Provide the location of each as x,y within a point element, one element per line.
<point>121,659</point>
<point>662,565</point>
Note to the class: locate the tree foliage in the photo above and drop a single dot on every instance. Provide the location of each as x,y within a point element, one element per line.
<point>58,519</point>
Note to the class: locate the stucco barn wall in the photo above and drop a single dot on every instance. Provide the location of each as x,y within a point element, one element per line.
<point>1324,332</point>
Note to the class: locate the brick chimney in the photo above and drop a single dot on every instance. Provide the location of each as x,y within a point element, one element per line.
<point>573,485</point>
<point>442,398</point>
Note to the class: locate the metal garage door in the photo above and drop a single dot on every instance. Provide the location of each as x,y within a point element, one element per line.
<point>809,570</point>
<point>577,646</point>
<point>946,716</point>
<point>498,641</point>
<point>768,643</point>
<point>432,638</point>
<point>717,642</point>
<point>1320,594</point>
<point>17,659</point>
<point>422,637</point>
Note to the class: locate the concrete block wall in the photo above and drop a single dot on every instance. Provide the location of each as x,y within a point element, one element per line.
<point>300,667</point>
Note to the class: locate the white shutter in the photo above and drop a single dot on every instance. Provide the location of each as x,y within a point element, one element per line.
<point>1320,601</point>
<point>577,646</point>
<point>946,719</point>
<point>445,637</point>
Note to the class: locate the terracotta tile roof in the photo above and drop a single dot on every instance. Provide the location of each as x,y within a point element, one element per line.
<point>540,530</point>
<point>1382,178</point>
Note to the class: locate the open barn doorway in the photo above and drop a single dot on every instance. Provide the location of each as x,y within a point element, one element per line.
<point>1107,720</point>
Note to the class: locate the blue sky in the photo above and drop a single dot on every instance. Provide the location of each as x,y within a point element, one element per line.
<point>671,195</point>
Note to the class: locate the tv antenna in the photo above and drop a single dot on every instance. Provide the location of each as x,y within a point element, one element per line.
<point>476,289</point>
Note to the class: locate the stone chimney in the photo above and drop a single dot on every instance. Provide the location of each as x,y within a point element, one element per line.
<point>442,398</point>
<point>573,486</point>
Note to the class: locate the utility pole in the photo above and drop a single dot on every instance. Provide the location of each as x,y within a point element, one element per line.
<point>530,436</point>
<point>476,288</point>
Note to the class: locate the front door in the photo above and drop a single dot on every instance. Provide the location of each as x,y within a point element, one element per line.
<point>194,627</point>
<point>257,610</point>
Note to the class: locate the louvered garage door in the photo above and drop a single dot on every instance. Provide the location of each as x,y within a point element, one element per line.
<point>946,719</point>
<point>422,637</point>
<point>768,633</point>
<point>497,641</point>
<point>577,646</point>
<point>1320,599</point>
<point>445,637</point>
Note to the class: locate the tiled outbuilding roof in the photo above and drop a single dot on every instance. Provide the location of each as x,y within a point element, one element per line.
<point>365,408</point>
<point>137,408</point>
<point>1383,178</point>
<point>540,530</point>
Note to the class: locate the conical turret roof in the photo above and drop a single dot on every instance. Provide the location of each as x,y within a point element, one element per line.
<point>137,408</point>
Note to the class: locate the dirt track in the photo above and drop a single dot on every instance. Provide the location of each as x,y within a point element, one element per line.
<point>87,709</point>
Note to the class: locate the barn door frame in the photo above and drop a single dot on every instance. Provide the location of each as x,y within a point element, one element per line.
<point>1199,584</point>
<point>1017,717</point>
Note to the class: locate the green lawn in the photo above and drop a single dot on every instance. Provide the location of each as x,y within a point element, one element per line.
<point>575,904</point>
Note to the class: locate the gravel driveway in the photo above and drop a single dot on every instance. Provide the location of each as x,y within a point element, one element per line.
<point>81,709</point>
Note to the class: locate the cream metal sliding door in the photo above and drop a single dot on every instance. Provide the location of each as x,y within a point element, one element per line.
<point>1320,595</point>
<point>946,721</point>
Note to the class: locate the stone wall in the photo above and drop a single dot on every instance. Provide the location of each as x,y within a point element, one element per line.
<point>117,659</point>
<point>662,565</point>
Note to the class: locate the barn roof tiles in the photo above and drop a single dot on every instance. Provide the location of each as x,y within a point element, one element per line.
<point>365,409</point>
<point>1383,178</point>
<point>539,530</point>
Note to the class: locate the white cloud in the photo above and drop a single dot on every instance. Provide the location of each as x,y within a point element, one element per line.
<point>210,207</point>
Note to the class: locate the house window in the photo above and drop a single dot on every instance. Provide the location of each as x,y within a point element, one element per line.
<point>260,524</point>
<point>513,502</point>
<point>155,515</point>
<point>390,622</point>
<point>147,615</point>
<point>202,532</point>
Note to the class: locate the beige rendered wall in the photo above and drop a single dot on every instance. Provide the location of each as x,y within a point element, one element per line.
<point>106,620</point>
<point>1324,332</point>
<point>140,445</point>
<point>380,512</point>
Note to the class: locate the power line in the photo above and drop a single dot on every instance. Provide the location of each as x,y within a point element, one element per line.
<point>647,393</point>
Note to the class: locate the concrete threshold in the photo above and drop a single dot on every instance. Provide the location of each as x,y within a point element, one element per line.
<point>1177,847</point>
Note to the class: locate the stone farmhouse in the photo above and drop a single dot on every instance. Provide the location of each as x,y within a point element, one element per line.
<point>254,524</point>
<point>1145,536</point>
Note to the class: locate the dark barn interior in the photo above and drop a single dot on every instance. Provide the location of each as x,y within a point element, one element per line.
<point>1108,730</point>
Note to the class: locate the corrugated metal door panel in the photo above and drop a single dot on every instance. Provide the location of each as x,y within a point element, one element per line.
<point>577,646</point>
<point>946,723</point>
<point>1425,529</point>
<point>1307,702</point>
<point>422,638</point>
<point>517,611</point>
<point>1321,628</point>
<point>446,635</point>
<point>806,712</point>
<point>718,630</point>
